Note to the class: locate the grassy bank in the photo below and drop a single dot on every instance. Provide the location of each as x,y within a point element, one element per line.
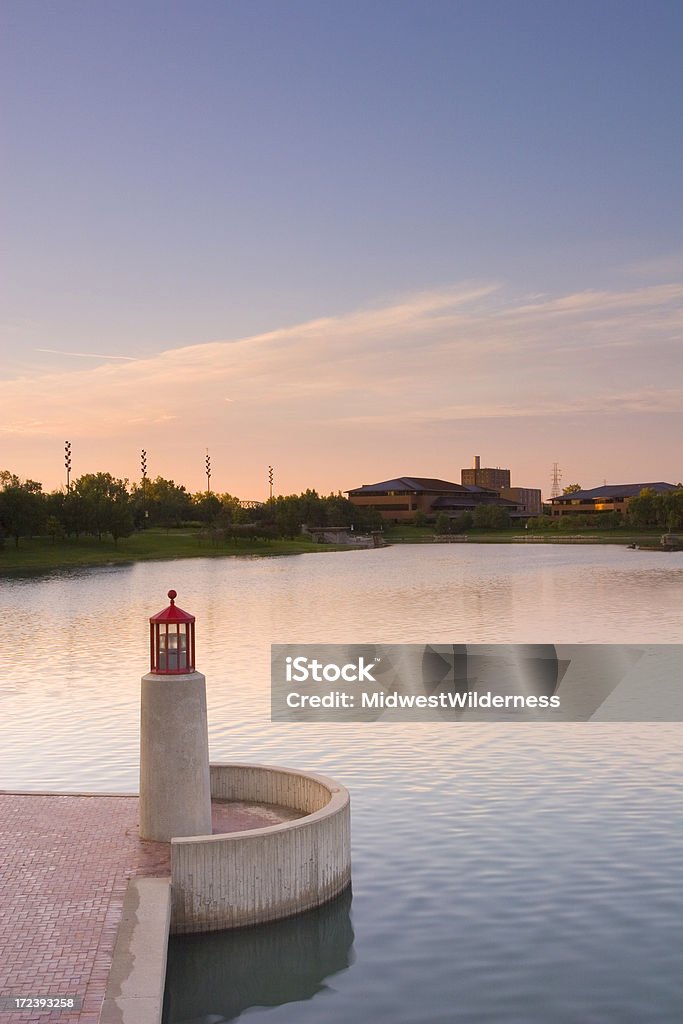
<point>41,554</point>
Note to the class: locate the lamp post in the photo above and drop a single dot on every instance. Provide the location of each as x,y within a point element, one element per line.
<point>175,794</point>
<point>143,468</point>
<point>67,463</point>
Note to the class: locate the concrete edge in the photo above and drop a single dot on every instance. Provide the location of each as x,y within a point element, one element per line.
<point>234,879</point>
<point>63,792</point>
<point>137,978</point>
<point>339,798</point>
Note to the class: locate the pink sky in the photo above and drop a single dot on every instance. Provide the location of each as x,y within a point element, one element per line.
<point>417,385</point>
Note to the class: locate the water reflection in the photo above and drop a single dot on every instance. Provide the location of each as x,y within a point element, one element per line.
<point>217,977</point>
<point>502,874</point>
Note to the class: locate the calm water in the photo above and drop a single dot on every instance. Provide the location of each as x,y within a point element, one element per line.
<point>521,874</point>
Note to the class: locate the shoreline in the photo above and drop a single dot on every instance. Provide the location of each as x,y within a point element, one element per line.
<point>41,556</point>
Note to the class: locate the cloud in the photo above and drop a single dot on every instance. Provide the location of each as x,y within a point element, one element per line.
<point>603,302</point>
<point>646,400</point>
<point>453,354</point>
<point>87,355</point>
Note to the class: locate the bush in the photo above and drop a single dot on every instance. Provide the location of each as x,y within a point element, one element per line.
<point>442,524</point>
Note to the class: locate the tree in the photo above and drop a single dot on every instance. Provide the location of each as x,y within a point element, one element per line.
<point>462,522</point>
<point>8,479</point>
<point>573,522</point>
<point>542,523</point>
<point>167,503</point>
<point>312,508</point>
<point>647,509</point>
<point>339,511</point>
<point>491,517</point>
<point>442,525</point>
<point>206,506</point>
<point>231,510</point>
<point>22,507</point>
<point>68,508</point>
<point>288,515</point>
<point>106,506</point>
<point>673,509</point>
<point>54,528</point>
<point>572,489</point>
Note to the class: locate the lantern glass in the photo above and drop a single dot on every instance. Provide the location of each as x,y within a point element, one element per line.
<point>172,641</point>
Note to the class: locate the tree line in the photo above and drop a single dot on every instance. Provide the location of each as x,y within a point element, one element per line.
<point>646,510</point>
<point>99,504</point>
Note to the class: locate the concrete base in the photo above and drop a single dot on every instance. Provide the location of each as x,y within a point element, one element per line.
<point>262,874</point>
<point>175,794</point>
<point>135,989</point>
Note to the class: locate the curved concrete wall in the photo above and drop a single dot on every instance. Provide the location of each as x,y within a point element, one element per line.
<point>241,878</point>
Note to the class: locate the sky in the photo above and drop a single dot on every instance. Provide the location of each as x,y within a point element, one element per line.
<point>351,240</point>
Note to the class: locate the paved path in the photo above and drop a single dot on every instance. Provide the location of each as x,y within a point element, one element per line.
<point>65,862</point>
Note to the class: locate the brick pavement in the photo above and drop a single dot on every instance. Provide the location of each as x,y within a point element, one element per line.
<point>65,862</point>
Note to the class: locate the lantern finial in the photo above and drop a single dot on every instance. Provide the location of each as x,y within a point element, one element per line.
<point>172,594</point>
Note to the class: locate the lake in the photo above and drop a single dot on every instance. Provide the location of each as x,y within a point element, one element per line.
<point>512,873</point>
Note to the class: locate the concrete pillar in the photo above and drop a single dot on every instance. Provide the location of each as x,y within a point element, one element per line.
<point>175,798</point>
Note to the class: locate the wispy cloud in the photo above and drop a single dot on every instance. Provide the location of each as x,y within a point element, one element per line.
<point>87,355</point>
<point>645,400</point>
<point>464,355</point>
<point>401,360</point>
<point>603,302</point>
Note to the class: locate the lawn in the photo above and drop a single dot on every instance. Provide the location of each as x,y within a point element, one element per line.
<point>42,554</point>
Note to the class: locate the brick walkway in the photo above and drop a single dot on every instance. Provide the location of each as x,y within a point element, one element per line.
<point>65,862</point>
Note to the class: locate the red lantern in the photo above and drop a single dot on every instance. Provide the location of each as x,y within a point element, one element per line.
<point>171,640</point>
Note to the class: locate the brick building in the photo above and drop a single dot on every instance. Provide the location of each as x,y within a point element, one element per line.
<point>608,498</point>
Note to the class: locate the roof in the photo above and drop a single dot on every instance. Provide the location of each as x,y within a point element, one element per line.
<point>615,491</point>
<point>409,483</point>
<point>172,613</point>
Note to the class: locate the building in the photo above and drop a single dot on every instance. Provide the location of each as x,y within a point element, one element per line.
<point>608,498</point>
<point>527,499</point>
<point>495,479</point>
<point>399,499</point>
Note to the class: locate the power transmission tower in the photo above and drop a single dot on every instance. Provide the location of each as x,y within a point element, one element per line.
<point>557,479</point>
